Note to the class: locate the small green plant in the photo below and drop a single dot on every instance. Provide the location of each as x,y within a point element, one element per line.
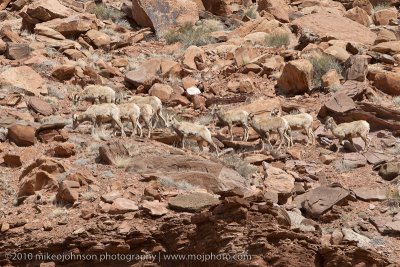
<point>381,5</point>
<point>251,12</point>
<point>396,100</point>
<point>393,196</point>
<point>342,167</point>
<point>121,161</point>
<point>5,186</point>
<point>242,167</point>
<point>182,185</point>
<point>190,34</point>
<point>321,64</point>
<point>59,212</point>
<point>104,12</point>
<point>278,39</point>
<point>89,196</point>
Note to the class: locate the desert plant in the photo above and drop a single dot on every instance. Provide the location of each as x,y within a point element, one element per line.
<point>251,12</point>
<point>104,12</point>
<point>121,161</point>
<point>190,34</point>
<point>59,212</point>
<point>381,5</point>
<point>89,196</point>
<point>5,186</point>
<point>278,39</point>
<point>393,196</point>
<point>321,64</point>
<point>169,182</point>
<point>341,166</point>
<point>396,100</point>
<point>242,167</point>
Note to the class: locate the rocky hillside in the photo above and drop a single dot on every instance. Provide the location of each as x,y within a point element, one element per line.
<point>81,195</point>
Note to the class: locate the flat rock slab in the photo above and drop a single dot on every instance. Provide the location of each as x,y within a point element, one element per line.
<point>370,194</point>
<point>193,201</point>
<point>123,205</point>
<point>319,200</point>
<point>334,26</point>
<point>155,208</point>
<point>40,106</point>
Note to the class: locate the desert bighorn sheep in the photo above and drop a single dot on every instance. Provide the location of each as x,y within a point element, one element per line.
<point>298,122</point>
<point>232,117</point>
<point>265,125</point>
<point>154,101</point>
<point>98,114</point>
<point>96,94</point>
<point>131,112</point>
<point>193,131</point>
<point>349,130</point>
<point>147,115</point>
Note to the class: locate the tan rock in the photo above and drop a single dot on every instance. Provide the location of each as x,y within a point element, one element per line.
<point>21,135</point>
<point>40,106</point>
<point>194,58</point>
<point>46,10</point>
<point>162,91</point>
<point>358,15</point>
<point>146,74</point>
<point>72,25</point>
<point>334,26</point>
<point>296,77</point>
<point>385,35</point>
<point>385,16</point>
<point>219,7</point>
<point>199,102</point>
<point>387,82</point>
<point>40,29</point>
<point>192,201</point>
<point>123,205</point>
<point>278,8</point>
<point>99,39</point>
<point>244,55</point>
<point>155,208</point>
<point>64,72</point>
<point>67,191</point>
<point>356,68</point>
<point>3,47</point>
<point>280,182</point>
<point>364,4</point>
<point>162,15</point>
<point>330,79</point>
<point>337,52</point>
<point>24,78</point>
<point>17,51</point>
<point>391,47</point>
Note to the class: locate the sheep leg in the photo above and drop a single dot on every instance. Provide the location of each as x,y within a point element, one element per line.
<point>352,143</point>
<point>287,138</point>
<point>200,144</point>
<point>367,141</point>
<point>281,137</point>
<point>183,142</point>
<point>119,123</point>
<point>312,136</point>
<point>230,131</point>
<point>340,144</point>
<point>134,124</point>
<point>159,113</point>
<point>246,132</point>
<point>150,129</point>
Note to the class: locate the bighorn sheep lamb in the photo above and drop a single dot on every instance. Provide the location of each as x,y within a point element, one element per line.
<point>131,112</point>
<point>265,125</point>
<point>147,115</point>
<point>193,131</point>
<point>298,122</point>
<point>98,114</point>
<point>349,130</point>
<point>232,117</point>
<point>154,101</point>
<point>96,94</point>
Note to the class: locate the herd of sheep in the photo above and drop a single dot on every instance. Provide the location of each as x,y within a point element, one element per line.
<point>107,107</point>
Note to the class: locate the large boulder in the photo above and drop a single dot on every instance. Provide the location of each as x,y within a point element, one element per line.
<point>162,15</point>
<point>162,91</point>
<point>278,8</point>
<point>72,25</point>
<point>365,5</point>
<point>391,47</point>
<point>358,15</point>
<point>23,78</point>
<point>98,39</point>
<point>21,135</point>
<point>356,68</point>
<point>385,16</point>
<point>146,74</point>
<point>321,199</point>
<point>46,10</point>
<point>386,81</point>
<point>296,77</point>
<point>193,201</point>
<point>333,26</point>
